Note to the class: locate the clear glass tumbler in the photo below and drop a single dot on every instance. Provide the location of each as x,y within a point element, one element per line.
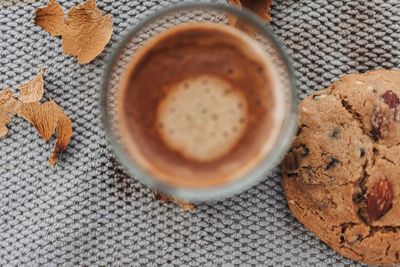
<point>210,13</point>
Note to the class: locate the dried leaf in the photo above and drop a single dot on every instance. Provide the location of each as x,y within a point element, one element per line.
<point>259,7</point>
<point>5,96</point>
<point>51,18</point>
<point>63,133</point>
<point>46,118</point>
<point>183,204</point>
<point>7,110</point>
<point>87,31</point>
<point>41,116</point>
<point>3,128</point>
<point>33,90</point>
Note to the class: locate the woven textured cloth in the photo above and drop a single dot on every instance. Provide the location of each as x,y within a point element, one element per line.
<point>86,211</point>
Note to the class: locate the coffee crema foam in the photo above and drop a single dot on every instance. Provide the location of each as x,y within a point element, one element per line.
<point>202,117</point>
<point>197,105</point>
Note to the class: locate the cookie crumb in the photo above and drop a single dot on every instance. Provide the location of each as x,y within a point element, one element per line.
<point>185,206</point>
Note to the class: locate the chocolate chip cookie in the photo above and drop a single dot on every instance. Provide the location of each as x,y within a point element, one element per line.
<point>342,175</point>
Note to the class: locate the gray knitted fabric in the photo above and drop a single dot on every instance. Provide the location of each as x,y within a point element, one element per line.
<point>86,212</point>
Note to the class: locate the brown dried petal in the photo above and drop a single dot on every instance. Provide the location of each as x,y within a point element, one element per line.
<point>50,18</point>
<point>183,204</point>
<point>46,118</point>
<point>7,110</point>
<point>41,116</point>
<point>33,90</point>
<point>259,7</point>
<point>63,133</point>
<point>87,31</point>
<point>3,128</point>
<point>5,96</point>
<point>379,199</point>
<point>391,99</point>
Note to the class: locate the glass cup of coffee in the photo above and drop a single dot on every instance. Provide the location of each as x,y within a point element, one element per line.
<point>199,101</point>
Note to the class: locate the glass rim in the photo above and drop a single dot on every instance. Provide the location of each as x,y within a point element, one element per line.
<point>239,184</point>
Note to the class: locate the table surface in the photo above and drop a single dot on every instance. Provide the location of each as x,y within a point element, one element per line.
<point>86,211</point>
